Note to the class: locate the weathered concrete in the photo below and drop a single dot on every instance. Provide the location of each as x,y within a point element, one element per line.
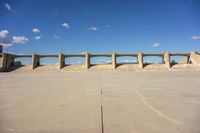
<point>7,61</point>
<point>184,60</point>
<point>87,60</point>
<point>2,63</point>
<point>166,59</point>
<point>140,60</point>
<point>61,61</point>
<point>35,61</point>
<point>114,62</point>
<point>195,58</point>
<point>132,102</point>
<point>192,58</point>
<point>133,55</point>
<point>1,49</point>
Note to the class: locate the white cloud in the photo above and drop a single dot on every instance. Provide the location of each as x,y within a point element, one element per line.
<point>66,25</point>
<point>195,37</point>
<point>6,45</point>
<point>36,30</point>
<point>20,39</point>
<point>155,45</point>
<point>127,61</point>
<point>84,52</point>
<point>38,37</point>
<point>56,37</point>
<point>102,62</point>
<point>4,33</point>
<point>93,28</point>
<point>4,40</point>
<point>8,7</point>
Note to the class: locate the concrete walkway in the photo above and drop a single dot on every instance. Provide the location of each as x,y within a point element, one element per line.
<point>96,102</point>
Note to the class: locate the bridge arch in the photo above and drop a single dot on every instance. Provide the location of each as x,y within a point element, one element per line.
<point>153,59</point>
<point>178,58</point>
<point>126,59</point>
<point>100,59</point>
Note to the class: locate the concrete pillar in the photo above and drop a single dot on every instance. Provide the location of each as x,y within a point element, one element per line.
<point>167,59</point>
<point>140,60</point>
<point>1,49</point>
<point>35,61</point>
<point>61,61</point>
<point>87,60</point>
<point>6,62</point>
<point>195,58</point>
<point>114,64</point>
<point>188,60</point>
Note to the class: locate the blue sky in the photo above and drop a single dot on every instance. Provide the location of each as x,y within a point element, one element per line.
<point>100,26</point>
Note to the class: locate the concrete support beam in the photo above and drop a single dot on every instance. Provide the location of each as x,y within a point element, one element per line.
<point>35,61</point>
<point>167,59</point>
<point>61,61</point>
<point>87,60</point>
<point>140,60</point>
<point>114,62</point>
<point>188,59</point>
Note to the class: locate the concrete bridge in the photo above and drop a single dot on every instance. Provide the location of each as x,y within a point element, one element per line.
<point>7,60</point>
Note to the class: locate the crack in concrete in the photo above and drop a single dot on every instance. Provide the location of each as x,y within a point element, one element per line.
<point>158,112</point>
<point>102,117</point>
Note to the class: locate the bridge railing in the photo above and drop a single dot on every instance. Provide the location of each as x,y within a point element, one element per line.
<point>36,58</point>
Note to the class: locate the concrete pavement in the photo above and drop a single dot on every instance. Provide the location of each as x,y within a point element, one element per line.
<point>132,102</point>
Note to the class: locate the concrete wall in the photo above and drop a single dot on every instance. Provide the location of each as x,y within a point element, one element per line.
<point>1,63</point>
<point>1,49</point>
<point>7,60</point>
<point>195,58</point>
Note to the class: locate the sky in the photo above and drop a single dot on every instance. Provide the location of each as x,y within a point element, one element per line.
<point>99,26</point>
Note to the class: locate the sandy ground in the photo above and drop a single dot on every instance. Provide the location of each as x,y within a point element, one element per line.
<point>108,67</point>
<point>96,102</point>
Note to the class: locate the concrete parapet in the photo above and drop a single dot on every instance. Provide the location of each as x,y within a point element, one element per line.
<point>74,55</point>
<point>100,55</point>
<point>140,60</point>
<point>35,61</point>
<point>166,59</point>
<point>133,55</point>
<point>87,60</point>
<point>47,55</point>
<point>61,61</point>
<point>114,62</point>
<point>161,55</point>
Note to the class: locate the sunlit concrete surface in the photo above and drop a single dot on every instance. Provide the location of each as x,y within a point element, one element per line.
<point>70,102</point>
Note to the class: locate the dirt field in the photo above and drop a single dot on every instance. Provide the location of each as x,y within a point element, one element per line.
<point>100,102</point>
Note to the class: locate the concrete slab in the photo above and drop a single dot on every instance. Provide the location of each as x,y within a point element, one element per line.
<point>132,102</point>
<point>45,103</point>
<point>152,102</point>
